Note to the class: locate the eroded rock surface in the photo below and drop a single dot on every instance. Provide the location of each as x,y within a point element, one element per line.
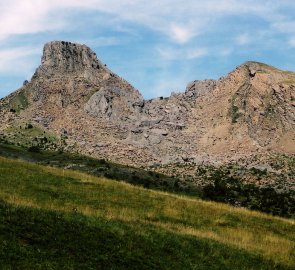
<point>248,112</point>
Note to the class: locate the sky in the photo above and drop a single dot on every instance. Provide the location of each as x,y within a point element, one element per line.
<point>159,46</point>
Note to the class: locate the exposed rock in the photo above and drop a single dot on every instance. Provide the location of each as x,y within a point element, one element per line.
<point>73,93</point>
<point>67,57</point>
<point>199,88</point>
<point>159,131</point>
<point>99,104</point>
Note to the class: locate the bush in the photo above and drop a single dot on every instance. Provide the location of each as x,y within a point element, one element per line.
<point>34,149</point>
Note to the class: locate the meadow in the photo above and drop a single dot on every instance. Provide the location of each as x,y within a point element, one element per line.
<point>52,218</point>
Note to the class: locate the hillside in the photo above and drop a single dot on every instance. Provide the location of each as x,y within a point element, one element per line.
<point>219,183</point>
<point>53,219</point>
<point>75,103</point>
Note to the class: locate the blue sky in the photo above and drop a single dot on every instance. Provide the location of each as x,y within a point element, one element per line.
<point>158,46</point>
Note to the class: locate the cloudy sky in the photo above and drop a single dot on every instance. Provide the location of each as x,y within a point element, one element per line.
<point>157,45</point>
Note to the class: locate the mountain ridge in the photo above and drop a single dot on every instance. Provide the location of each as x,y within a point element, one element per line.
<point>247,115</point>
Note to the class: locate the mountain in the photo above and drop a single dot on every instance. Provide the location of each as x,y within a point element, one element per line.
<point>75,103</point>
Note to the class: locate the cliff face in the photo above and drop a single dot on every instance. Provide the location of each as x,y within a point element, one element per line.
<point>76,98</point>
<point>71,75</point>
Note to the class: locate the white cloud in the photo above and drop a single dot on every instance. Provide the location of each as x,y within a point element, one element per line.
<point>181,54</point>
<point>168,54</point>
<point>17,59</point>
<point>100,42</point>
<point>181,34</point>
<point>285,26</point>
<point>243,39</point>
<point>224,51</point>
<point>26,17</point>
<point>168,84</point>
<point>179,21</point>
<point>196,53</point>
<point>291,42</point>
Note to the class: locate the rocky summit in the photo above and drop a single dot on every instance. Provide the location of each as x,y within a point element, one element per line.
<point>75,103</point>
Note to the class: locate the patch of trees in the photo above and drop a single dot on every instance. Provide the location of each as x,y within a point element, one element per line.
<point>227,189</point>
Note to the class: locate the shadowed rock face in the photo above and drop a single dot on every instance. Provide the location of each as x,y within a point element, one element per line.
<point>249,111</point>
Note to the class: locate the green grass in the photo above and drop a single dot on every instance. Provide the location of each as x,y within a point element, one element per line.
<point>56,219</point>
<point>99,167</point>
<point>222,183</point>
<point>19,101</point>
<point>24,136</point>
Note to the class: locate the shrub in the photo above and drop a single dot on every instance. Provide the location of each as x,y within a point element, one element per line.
<point>34,149</point>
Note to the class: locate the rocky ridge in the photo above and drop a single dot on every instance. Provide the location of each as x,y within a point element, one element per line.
<point>75,98</point>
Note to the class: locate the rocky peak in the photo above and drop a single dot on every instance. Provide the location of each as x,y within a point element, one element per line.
<point>71,75</point>
<point>253,68</point>
<point>68,57</point>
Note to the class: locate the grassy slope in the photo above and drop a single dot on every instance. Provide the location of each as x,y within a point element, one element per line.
<point>101,168</point>
<point>221,186</point>
<point>53,219</point>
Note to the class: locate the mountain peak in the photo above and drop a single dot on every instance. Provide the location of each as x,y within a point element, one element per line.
<point>65,57</point>
<point>261,67</point>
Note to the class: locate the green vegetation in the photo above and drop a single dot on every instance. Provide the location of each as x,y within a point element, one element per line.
<point>225,188</point>
<point>60,219</point>
<point>222,185</point>
<point>26,135</point>
<point>235,114</point>
<point>283,161</point>
<point>234,110</point>
<point>269,110</point>
<point>19,102</point>
<point>97,167</point>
